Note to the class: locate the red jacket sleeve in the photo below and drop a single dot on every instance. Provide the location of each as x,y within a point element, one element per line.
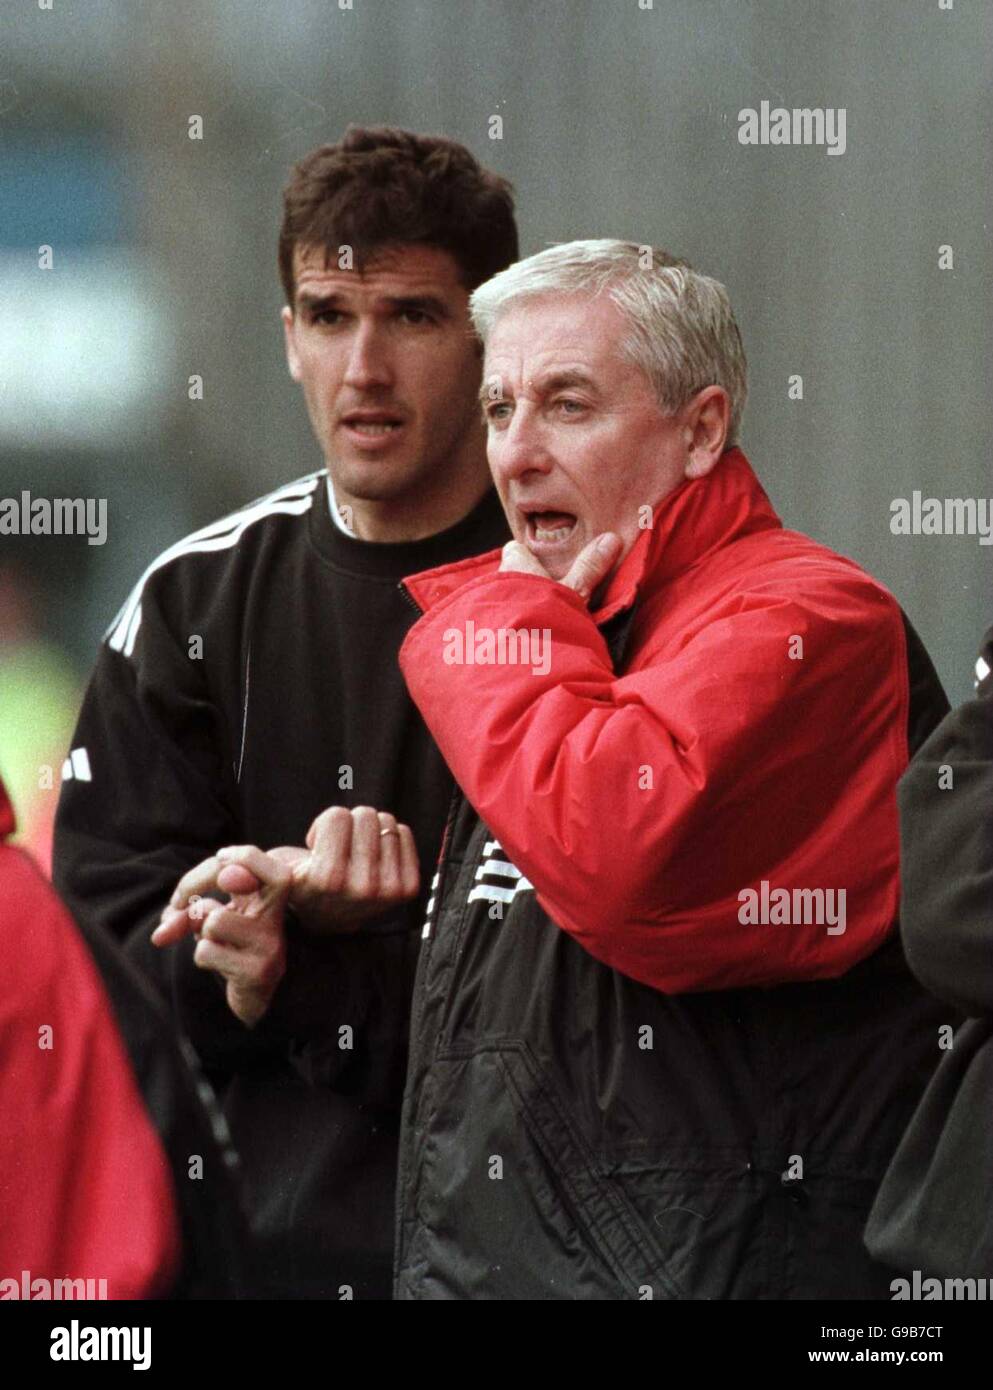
<point>642,807</point>
<point>85,1187</point>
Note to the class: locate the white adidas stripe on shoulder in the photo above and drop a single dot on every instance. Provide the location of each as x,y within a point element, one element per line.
<point>293,499</point>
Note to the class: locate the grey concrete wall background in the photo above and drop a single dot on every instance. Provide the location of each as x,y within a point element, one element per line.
<point>617,121</point>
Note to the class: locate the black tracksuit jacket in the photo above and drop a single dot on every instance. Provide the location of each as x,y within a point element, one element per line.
<point>249,682</point>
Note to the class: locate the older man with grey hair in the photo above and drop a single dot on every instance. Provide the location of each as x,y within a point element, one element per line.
<point>664,1039</point>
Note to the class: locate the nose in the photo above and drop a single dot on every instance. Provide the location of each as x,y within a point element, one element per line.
<point>368,364</point>
<point>519,450</point>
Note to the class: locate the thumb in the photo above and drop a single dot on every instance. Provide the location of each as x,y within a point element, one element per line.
<point>593,563</point>
<point>234,878</point>
<point>246,1002</point>
<point>516,558</point>
<point>290,855</point>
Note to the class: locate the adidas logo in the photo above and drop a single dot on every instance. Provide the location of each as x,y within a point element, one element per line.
<point>496,881</point>
<point>505,882</point>
<point>77,766</point>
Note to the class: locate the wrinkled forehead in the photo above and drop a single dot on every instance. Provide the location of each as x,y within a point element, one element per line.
<point>552,335</point>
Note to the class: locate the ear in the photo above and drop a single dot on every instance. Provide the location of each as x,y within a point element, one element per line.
<point>289,339</point>
<point>705,429</point>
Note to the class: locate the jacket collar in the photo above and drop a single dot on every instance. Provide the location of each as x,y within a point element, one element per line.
<point>697,518</point>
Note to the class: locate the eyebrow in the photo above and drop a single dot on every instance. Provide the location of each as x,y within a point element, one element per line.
<point>425,303</point>
<point>555,381</point>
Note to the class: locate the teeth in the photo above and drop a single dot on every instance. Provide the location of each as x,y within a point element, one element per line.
<point>373,426</point>
<point>560,533</point>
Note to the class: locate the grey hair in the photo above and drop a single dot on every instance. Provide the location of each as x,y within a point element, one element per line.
<point>683,334</point>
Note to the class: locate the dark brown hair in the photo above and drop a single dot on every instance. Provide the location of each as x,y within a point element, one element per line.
<point>381,186</point>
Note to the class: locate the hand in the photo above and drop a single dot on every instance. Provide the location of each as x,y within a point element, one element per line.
<point>243,940</point>
<point>361,863</point>
<point>593,563</point>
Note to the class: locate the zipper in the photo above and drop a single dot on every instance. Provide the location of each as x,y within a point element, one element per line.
<point>409,598</point>
<point>412,1103</point>
<point>407,1159</point>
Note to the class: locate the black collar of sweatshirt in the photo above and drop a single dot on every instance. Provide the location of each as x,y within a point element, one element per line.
<point>390,561</point>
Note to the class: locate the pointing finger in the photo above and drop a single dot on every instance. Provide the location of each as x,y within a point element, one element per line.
<point>593,563</point>
<point>175,924</point>
<point>200,880</point>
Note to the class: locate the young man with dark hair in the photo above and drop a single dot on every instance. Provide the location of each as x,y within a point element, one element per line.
<point>288,722</point>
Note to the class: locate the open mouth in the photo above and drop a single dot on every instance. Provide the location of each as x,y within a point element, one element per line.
<point>547,529</point>
<point>372,427</point>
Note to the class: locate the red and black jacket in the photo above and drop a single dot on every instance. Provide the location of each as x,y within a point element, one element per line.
<point>621,1085</point>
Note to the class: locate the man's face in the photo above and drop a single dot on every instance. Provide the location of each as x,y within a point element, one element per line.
<point>389,368</point>
<point>577,441</point>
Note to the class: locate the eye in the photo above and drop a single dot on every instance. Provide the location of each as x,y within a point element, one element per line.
<point>498,410</point>
<point>329,317</point>
<point>569,406</point>
<point>415,317</point>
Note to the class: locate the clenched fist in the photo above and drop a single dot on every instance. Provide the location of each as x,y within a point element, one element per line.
<point>361,863</point>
